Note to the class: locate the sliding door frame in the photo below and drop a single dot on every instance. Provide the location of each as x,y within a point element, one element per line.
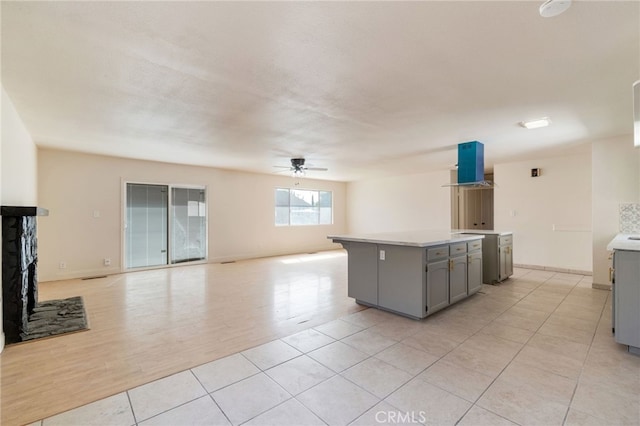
<point>123,224</point>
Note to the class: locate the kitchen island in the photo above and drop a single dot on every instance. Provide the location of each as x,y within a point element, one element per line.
<point>497,254</point>
<point>625,285</point>
<point>414,273</point>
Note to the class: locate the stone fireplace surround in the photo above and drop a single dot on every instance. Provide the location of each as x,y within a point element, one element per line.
<point>19,267</point>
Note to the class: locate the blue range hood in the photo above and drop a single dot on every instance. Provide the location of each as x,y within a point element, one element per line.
<point>470,162</point>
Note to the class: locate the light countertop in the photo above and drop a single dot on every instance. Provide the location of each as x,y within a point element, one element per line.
<point>622,242</point>
<point>420,238</point>
<point>481,232</point>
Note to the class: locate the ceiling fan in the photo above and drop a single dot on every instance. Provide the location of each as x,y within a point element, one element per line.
<point>298,169</point>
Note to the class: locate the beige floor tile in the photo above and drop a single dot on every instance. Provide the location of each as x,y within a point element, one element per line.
<point>339,329</point>
<point>507,332</point>
<point>201,412</point>
<point>577,311</point>
<point>369,342</point>
<point>463,382</point>
<point>607,403</point>
<point>337,401</point>
<point>441,325</point>
<point>578,418</point>
<point>377,376</point>
<point>250,397</point>
<point>436,405</point>
<point>520,405</point>
<point>384,414</point>
<point>368,317</point>
<point>271,354</point>
<point>299,374</point>
<point>225,371</point>
<point>483,362</point>
<point>436,344</point>
<point>559,346</point>
<point>503,348</point>
<point>114,410</point>
<point>338,356</point>
<point>574,278</point>
<point>406,358</point>
<point>514,320</point>
<point>165,394</point>
<point>549,361</point>
<point>532,305</point>
<point>397,329</point>
<point>579,324</point>
<point>478,416</point>
<point>565,332</point>
<point>522,312</point>
<point>289,413</point>
<point>550,386</point>
<point>308,340</point>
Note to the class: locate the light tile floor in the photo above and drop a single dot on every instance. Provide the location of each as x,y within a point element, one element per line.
<point>536,349</point>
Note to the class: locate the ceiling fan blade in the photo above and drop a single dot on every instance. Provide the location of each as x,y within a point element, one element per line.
<point>316,169</point>
<point>283,167</point>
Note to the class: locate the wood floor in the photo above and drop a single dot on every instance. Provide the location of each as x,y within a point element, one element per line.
<point>150,324</point>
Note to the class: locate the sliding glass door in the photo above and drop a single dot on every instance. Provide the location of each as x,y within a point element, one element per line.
<point>157,235</point>
<point>188,234</point>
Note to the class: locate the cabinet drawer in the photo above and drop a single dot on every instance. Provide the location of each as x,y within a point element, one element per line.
<point>505,239</point>
<point>458,248</point>
<point>437,253</point>
<point>474,245</point>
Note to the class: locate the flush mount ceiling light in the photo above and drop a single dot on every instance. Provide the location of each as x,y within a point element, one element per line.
<point>536,124</point>
<point>554,7</point>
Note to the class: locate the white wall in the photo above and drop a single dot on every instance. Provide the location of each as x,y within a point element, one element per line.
<point>18,165</point>
<point>616,179</point>
<point>400,203</point>
<point>549,215</point>
<point>240,208</point>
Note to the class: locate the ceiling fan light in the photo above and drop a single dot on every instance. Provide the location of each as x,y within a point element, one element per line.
<point>552,8</point>
<point>536,124</point>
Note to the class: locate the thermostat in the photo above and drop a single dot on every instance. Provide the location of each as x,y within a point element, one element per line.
<point>535,172</point>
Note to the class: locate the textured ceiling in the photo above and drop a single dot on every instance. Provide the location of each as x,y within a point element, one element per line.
<point>363,88</point>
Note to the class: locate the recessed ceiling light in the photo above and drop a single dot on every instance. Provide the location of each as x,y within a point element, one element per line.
<point>535,124</point>
<point>554,7</point>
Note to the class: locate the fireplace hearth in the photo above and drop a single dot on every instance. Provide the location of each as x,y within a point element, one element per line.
<point>19,268</point>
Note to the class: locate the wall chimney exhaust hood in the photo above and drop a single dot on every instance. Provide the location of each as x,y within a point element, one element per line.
<point>471,166</point>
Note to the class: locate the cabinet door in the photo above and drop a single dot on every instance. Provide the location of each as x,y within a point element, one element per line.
<point>457,278</point>
<point>362,272</point>
<point>627,294</point>
<point>401,280</point>
<point>437,286</point>
<point>474,280</point>
<point>502,263</point>
<point>508,261</point>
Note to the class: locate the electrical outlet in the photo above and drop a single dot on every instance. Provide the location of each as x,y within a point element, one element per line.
<point>382,254</point>
<point>107,261</point>
<point>62,265</point>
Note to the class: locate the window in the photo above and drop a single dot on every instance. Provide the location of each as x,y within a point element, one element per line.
<point>295,207</point>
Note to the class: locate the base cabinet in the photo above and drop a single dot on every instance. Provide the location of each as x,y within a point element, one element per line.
<point>457,278</point>
<point>626,305</point>
<point>362,273</point>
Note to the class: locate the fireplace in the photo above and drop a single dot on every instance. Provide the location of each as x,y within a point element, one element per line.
<point>19,268</point>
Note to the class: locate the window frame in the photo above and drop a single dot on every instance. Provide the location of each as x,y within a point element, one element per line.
<point>288,206</point>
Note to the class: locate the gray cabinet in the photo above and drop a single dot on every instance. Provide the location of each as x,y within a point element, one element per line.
<point>458,272</point>
<point>474,273</point>
<point>362,272</point>
<point>505,250</point>
<point>626,305</point>
<point>437,285</point>
<point>399,287</point>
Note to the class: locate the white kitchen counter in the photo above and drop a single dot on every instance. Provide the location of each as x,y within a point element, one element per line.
<point>622,242</point>
<point>480,231</point>
<point>420,238</point>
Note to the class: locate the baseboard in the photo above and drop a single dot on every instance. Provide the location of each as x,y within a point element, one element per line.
<point>601,286</point>
<point>554,269</point>
<point>1,341</point>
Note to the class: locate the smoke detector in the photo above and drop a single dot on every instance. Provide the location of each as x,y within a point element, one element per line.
<point>554,7</point>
